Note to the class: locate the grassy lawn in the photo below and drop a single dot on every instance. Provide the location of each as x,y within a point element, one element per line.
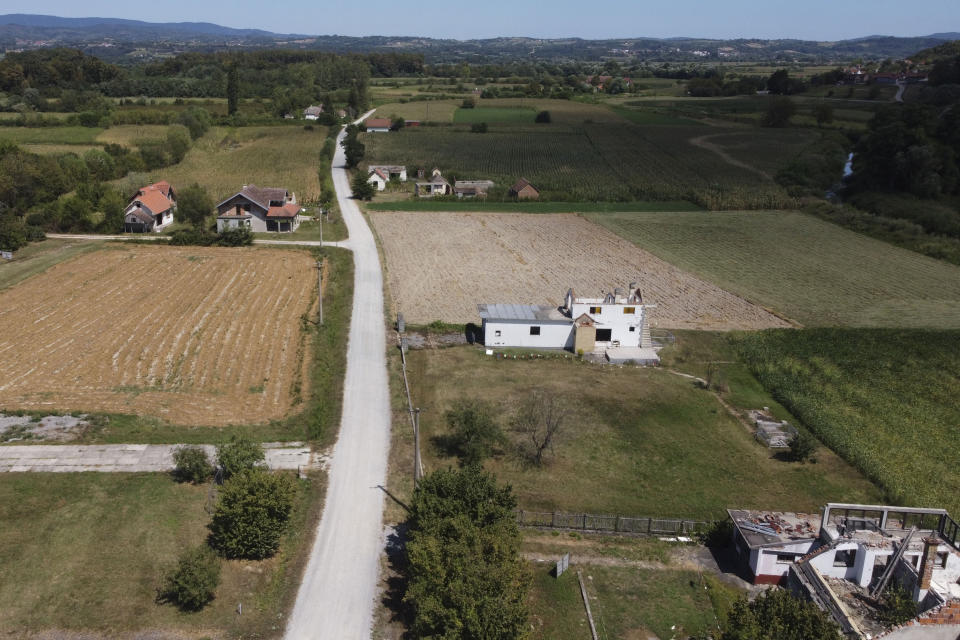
<point>51,135</point>
<point>57,149</point>
<point>422,110</point>
<point>40,256</point>
<point>85,552</point>
<point>650,117</point>
<point>810,270</point>
<point>884,399</point>
<point>130,134</point>
<point>529,207</point>
<point>332,231</point>
<point>494,115</point>
<point>625,603</point>
<point>638,442</point>
<point>225,159</point>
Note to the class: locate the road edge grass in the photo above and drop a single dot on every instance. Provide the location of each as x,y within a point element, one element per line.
<point>481,206</point>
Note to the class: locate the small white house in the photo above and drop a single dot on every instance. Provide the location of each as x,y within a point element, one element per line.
<point>392,171</point>
<point>312,112</point>
<point>615,325</point>
<point>379,179</point>
<point>151,209</point>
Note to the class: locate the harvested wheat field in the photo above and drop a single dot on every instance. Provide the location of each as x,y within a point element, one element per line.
<point>440,265</point>
<point>195,336</point>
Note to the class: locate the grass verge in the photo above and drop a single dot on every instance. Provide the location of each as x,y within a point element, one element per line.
<point>530,207</point>
<point>37,257</point>
<point>85,552</point>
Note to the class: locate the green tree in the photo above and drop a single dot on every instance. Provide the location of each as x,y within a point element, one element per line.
<point>233,89</point>
<point>474,431</point>
<point>194,205</point>
<point>362,189</point>
<point>239,454</point>
<point>354,150</point>
<point>779,82</point>
<point>802,446</point>
<point>191,464</point>
<point>778,615</point>
<point>465,578</point>
<point>196,119</point>
<point>779,111</point>
<point>823,113</point>
<point>543,117</point>
<point>252,513</point>
<point>112,204</point>
<point>192,583</point>
<point>898,606</point>
<point>178,142</point>
<point>100,164</point>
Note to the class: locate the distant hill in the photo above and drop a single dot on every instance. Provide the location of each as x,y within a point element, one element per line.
<point>939,52</point>
<point>121,40</point>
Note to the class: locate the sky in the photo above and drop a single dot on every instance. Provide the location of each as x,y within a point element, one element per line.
<point>594,19</point>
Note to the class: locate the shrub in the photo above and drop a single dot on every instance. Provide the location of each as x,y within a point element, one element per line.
<point>543,117</point>
<point>478,127</point>
<point>252,514</point>
<point>191,465</point>
<point>192,582</point>
<point>802,446</point>
<point>475,431</point>
<point>240,237</point>
<point>239,454</point>
<point>185,237</point>
<point>778,615</point>
<point>898,606</point>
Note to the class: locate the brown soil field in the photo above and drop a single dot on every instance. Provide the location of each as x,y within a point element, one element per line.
<point>191,335</point>
<point>441,265</point>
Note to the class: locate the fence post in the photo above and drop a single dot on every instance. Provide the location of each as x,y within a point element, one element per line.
<point>553,519</point>
<point>616,524</point>
<point>584,527</point>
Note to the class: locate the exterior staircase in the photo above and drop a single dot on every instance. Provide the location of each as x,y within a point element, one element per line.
<point>645,340</point>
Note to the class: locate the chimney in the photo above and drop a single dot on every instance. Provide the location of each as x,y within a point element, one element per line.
<point>927,561</point>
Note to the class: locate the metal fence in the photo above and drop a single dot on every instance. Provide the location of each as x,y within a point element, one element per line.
<point>611,524</point>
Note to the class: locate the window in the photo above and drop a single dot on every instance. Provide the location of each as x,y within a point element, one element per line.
<point>846,558</point>
<point>534,331</point>
<point>941,562</point>
<point>604,335</point>
<point>629,311</point>
<point>596,310</point>
<point>497,333</point>
<point>633,329</point>
<point>785,558</point>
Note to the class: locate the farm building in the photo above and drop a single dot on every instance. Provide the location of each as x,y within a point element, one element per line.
<point>397,171</point>
<point>523,190</point>
<point>379,178</point>
<point>846,557</point>
<point>471,188</point>
<point>378,125</point>
<point>151,209</point>
<point>312,112</point>
<point>259,209</point>
<point>615,325</point>
<point>437,185</point>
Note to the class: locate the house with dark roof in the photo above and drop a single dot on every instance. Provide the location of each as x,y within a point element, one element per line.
<point>437,185</point>
<point>472,188</point>
<point>259,209</point>
<point>523,190</point>
<point>151,209</point>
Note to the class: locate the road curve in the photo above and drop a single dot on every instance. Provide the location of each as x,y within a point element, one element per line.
<point>336,597</point>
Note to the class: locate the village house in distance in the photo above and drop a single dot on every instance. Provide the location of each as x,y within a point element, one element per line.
<point>616,325</point>
<point>151,209</point>
<point>259,209</point>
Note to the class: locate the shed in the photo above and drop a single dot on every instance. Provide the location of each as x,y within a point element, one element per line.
<point>523,190</point>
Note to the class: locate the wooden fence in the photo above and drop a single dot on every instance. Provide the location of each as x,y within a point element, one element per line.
<point>610,524</point>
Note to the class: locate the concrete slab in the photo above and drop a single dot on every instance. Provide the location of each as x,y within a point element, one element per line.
<point>129,457</point>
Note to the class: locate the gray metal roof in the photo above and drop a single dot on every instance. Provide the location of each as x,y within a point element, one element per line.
<point>521,312</point>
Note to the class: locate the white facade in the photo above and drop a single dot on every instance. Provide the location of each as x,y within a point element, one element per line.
<point>532,334</point>
<point>233,223</point>
<point>619,323</point>
<point>377,179</point>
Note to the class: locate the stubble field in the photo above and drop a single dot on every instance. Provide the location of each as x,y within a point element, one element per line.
<point>441,265</point>
<point>195,336</point>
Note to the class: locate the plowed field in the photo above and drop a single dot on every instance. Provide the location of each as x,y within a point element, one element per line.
<point>441,265</point>
<point>196,336</point>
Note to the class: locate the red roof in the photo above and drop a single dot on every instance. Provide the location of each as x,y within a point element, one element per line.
<point>288,210</point>
<point>163,187</point>
<point>153,200</point>
<point>378,123</point>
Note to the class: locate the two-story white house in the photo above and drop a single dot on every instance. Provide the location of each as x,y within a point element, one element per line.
<point>616,325</point>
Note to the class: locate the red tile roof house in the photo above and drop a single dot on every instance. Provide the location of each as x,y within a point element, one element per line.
<point>259,209</point>
<point>151,209</point>
<point>378,125</point>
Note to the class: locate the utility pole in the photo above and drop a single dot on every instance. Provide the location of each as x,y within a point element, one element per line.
<point>320,288</point>
<point>417,469</point>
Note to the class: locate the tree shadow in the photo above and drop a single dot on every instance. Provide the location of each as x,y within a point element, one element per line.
<point>396,582</point>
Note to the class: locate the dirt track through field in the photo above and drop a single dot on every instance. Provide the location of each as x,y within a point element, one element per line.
<point>441,265</point>
<point>196,336</point>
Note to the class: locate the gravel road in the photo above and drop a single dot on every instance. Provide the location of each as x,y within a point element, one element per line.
<point>336,597</point>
